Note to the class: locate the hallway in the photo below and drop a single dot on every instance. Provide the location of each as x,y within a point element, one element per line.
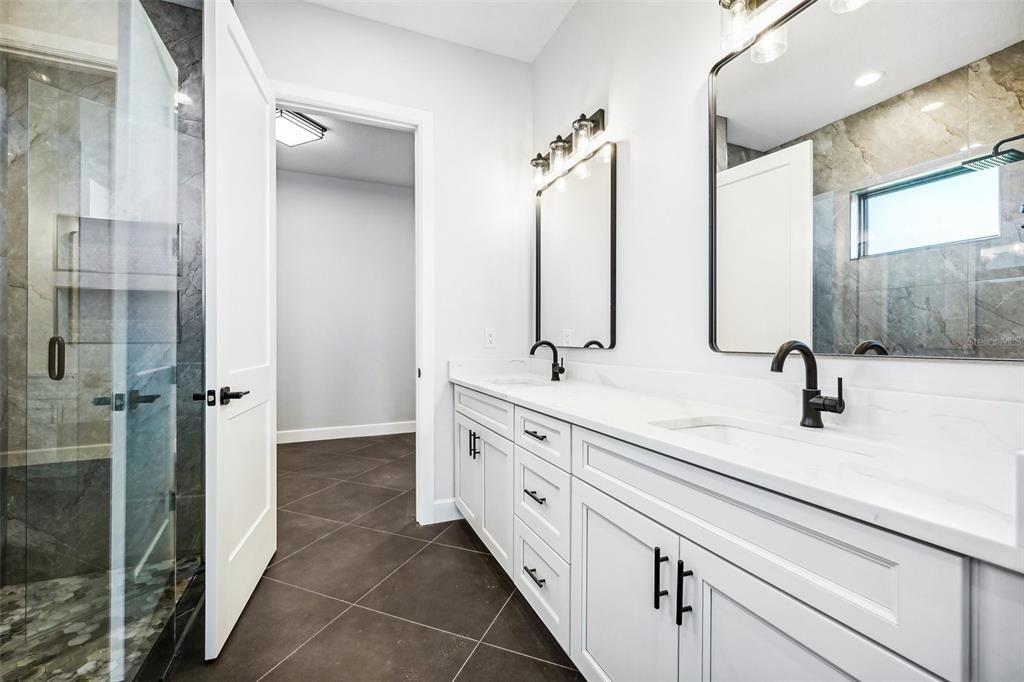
<point>359,591</point>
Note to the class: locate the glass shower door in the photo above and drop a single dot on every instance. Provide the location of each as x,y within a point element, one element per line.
<point>91,333</point>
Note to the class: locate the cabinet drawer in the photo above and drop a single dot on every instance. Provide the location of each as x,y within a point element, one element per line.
<point>544,436</point>
<point>543,578</point>
<point>542,495</point>
<point>909,597</point>
<point>495,414</point>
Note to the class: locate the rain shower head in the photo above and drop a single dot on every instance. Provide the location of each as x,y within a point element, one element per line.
<point>996,158</point>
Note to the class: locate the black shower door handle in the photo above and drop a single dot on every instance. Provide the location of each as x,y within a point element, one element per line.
<point>55,358</point>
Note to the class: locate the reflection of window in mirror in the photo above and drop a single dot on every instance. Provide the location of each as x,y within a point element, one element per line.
<point>914,222</point>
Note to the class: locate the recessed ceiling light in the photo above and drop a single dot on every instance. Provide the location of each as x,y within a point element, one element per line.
<point>933,106</point>
<point>292,128</point>
<point>866,79</point>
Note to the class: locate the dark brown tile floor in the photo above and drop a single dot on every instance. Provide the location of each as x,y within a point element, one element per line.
<point>359,591</point>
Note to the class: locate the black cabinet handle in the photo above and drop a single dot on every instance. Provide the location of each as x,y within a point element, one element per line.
<point>55,358</point>
<point>472,444</point>
<point>681,573</point>
<point>538,436</point>
<point>658,592</point>
<point>532,572</point>
<point>533,494</point>
<point>227,395</point>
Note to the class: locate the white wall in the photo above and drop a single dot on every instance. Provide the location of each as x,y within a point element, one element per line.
<point>648,65</point>
<point>346,303</point>
<point>481,107</point>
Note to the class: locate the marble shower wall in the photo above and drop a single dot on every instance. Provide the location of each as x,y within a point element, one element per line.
<point>55,517</point>
<point>954,300</point>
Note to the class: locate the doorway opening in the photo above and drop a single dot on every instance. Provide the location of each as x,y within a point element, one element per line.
<point>355,283</point>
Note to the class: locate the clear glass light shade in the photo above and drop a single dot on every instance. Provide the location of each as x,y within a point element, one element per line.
<point>538,176</point>
<point>844,6</point>
<point>770,46</point>
<point>582,136</point>
<point>559,154</point>
<point>734,30</point>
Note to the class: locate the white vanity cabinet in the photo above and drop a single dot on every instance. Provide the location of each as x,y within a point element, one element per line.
<point>646,567</point>
<point>483,485</point>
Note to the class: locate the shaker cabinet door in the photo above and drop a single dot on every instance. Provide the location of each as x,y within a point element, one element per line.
<point>619,630</point>
<point>469,481</point>
<point>742,629</point>
<point>496,455</point>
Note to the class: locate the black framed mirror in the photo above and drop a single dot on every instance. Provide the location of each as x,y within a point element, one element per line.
<point>575,254</point>
<point>867,182</point>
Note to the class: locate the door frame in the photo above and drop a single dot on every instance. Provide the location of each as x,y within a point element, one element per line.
<point>421,124</point>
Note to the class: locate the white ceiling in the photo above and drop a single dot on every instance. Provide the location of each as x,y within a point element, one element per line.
<point>510,28</point>
<point>353,151</point>
<point>811,85</point>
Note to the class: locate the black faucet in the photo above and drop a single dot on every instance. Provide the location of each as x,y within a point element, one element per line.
<point>813,402</point>
<point>864,346</point>
<point>556,368</point>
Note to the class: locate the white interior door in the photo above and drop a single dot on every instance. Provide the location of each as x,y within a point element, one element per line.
<point>764,274</point>
<point>241,458</point>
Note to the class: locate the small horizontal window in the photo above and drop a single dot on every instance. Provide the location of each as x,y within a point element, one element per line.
<point>954,205</point>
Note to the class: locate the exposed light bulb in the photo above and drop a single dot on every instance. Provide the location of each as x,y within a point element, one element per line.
<point>846,6</point>
<point>770,46</point>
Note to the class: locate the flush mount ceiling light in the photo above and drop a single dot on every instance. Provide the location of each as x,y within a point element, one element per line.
<point>866,79</point>
<point>293,129</point>
<point>933,106</point>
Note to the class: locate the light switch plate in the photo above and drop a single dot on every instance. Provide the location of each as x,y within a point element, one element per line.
<point>490,338</point>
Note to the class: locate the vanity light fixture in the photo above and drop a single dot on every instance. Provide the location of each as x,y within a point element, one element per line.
<point>578,143</point>
<point>540,169</point>
<point>866,79</point>
<point>846,6</point>
<point>770,46</point>
<point>559,153</point>
<point>292,128</point>
<point>735,17</point>
<point>933,106</point>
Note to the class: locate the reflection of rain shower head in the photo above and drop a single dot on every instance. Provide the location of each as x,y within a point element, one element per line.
<point>996,158</point>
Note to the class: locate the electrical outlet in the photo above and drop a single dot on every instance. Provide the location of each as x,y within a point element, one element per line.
<point>566,337</point>
<point>490,338</point>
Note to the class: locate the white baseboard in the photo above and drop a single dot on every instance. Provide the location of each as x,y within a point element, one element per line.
<point>445,510</point>
<point>355,431</point>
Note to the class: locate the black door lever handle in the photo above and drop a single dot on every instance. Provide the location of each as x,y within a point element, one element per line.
<point>227,395</point>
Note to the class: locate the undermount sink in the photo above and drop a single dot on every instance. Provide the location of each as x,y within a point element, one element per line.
<point>764,438</point>
<point>521,381</point>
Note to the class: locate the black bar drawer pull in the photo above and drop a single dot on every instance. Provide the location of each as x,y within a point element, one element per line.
<point>55,358</point>
<point>532,572</point>
<point>534,434</point>
<point>533,494</point>
<point>681,573</point>
<point>658,592</point>
<point>473,452</point>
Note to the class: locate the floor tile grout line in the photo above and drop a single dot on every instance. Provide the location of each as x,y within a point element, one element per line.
<point>397,568</point>
<point>414,622</point>
<point>327,518</point>
<point>307,641</point>
<point>333,531</point>
<point>306,589</point>
<point>477,645</point>
<point>464,549</point>
<point>332,485</point>
<point>520,653</point>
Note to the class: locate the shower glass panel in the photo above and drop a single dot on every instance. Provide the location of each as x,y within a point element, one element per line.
<point>89,258</point>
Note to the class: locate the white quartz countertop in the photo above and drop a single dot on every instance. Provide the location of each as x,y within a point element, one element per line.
<point>963,502</point>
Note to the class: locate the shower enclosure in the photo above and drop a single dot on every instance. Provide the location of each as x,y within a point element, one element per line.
<point>89,281</point>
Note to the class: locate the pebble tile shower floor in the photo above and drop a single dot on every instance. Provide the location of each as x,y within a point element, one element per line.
<point>359,591</point>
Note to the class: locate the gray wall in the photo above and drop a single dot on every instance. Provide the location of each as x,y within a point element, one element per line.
<point>346,302</point>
